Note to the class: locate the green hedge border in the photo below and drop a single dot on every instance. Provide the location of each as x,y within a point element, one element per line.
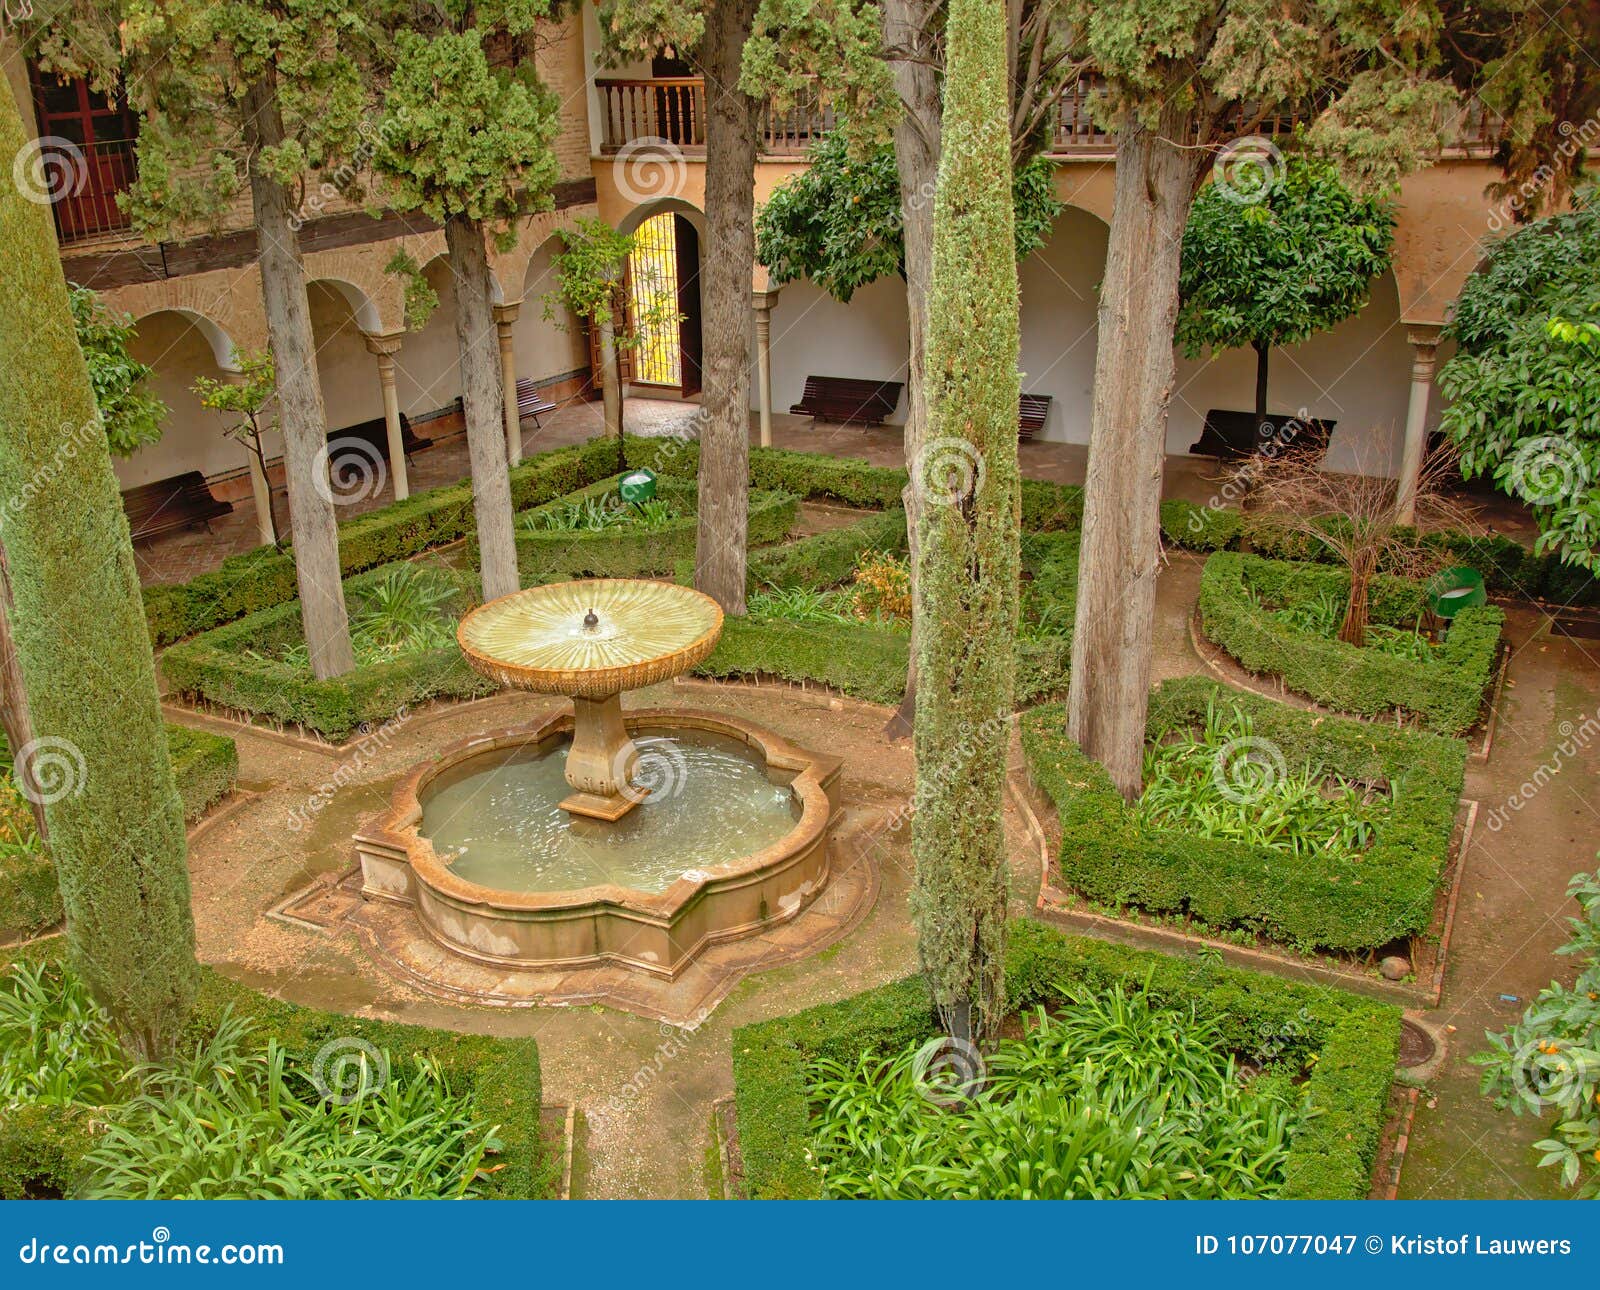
<point>46,1145</point>
<point>1351,1045</point>
<point>625,552</point>
<point>1446,694</point>
<point>213,667</point>
<point>1508,567</point>
<point>206,767</point>
<point>1309,903</point>
<point>828,558</point>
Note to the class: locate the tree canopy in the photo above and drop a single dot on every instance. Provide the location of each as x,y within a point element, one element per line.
<point>1278,266</point>
<point>840,222</point>
<point>1524,384</point>
<point>131,414</point>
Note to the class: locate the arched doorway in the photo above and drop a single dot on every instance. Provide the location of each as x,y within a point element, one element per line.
<point>662,293</point>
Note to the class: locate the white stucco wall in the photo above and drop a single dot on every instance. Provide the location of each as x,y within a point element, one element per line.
<point>814,335</point>
<point>546,349</point>
<point>1358,374</point>
<point>427,371</point>
<point>192,437</point>
<point>348,372</point>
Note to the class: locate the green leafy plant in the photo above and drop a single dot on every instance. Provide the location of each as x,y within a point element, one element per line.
<point>1524,384</point>
<point>247,399</point>
<point>405,612</point>
<point>802,605</point>
<point>1107,1096</point>
<point>1548,1064</point>
<point>56,1045</point>
<point>1296,809</point>
<point>1296,260</point>
<point>131,415</point>
<point>231,1120</point>
<point>597,514</point>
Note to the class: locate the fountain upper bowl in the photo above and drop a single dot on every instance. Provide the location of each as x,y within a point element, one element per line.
<point>591,638</point>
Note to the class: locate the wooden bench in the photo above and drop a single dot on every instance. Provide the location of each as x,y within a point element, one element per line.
<point>848,401</point>
<point>531,403</point>
<point>375,433</point>
<point>166,505</point>
<point>1033,410</point>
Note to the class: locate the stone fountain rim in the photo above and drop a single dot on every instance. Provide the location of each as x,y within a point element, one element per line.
<point>599,682</point>
<point>399,825</point>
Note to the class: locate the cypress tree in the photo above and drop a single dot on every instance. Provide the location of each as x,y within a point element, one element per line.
<point>99,757</point>
<point>967,557</point>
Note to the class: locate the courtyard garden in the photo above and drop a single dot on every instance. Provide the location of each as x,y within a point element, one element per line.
<point>665,802</point>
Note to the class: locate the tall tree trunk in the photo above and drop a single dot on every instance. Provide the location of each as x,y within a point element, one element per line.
<point>967,562</point>
<point>14,718</point>
<point>732,117</point>
<point>479,347</point>
<point>116,822</point>
<point>1263,353</point>
<point>1133,377</point>
<point>312,527</point>
<point>611,387</point>
<point>910,31</point>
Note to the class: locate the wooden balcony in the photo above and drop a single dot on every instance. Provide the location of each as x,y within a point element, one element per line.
<point>673,110</point>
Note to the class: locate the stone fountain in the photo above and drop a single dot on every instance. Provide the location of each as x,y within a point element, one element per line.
<point>601,835</point>
<point>591,641</point>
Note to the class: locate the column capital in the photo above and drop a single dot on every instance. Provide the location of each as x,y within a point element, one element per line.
<point>1420,334</point>
<point>764,300</point>
<point>506,314</point>
<point>383,344</point>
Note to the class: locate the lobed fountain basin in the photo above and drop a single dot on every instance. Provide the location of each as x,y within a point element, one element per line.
<point>731,840</point>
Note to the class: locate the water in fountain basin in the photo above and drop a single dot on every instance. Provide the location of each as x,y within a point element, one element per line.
<point>503,824</point>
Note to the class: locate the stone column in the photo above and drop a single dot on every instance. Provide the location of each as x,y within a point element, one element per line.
<point>764,300</point>
<point>1424,338</point>
<point>384,348</point>
<point>260,486</point>
<point>504,317</point>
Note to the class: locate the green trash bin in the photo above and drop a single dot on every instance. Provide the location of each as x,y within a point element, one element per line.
<point>1453,590</point>
<point>637,486</point>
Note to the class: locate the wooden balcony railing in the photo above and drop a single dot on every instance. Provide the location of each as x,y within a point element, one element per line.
<point>85,179</point>
<point>674,110</point>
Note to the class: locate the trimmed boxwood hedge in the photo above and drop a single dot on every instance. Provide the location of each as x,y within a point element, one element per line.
<point>205,766</point>
<point>1445,692</point>
<point>828,558</point>
<point>214,667</point>
<point>264,577</point>
<point>42,1148</point>
<point>1349,1045</point>
<point>859,660</point>
<point>1508,567</point>
<point>627,551</point>
<point>1307,903</point>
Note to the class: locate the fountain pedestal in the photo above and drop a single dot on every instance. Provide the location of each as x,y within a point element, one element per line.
<point>601,760</point>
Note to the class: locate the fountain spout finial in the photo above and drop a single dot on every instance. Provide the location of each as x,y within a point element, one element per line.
<point>591,621</point>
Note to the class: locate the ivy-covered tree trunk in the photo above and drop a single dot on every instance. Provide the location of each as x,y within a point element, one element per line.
<point>967,563</point>
<point>732,117</point>
<point>1133,377</point>
<point>14,718</point>
<point>100,756</point>
<point>313,528</point>
<point>909,28</point>
<point>479,348</point>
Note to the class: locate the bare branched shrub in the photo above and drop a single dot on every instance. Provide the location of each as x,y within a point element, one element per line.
<point>1353,518</point>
